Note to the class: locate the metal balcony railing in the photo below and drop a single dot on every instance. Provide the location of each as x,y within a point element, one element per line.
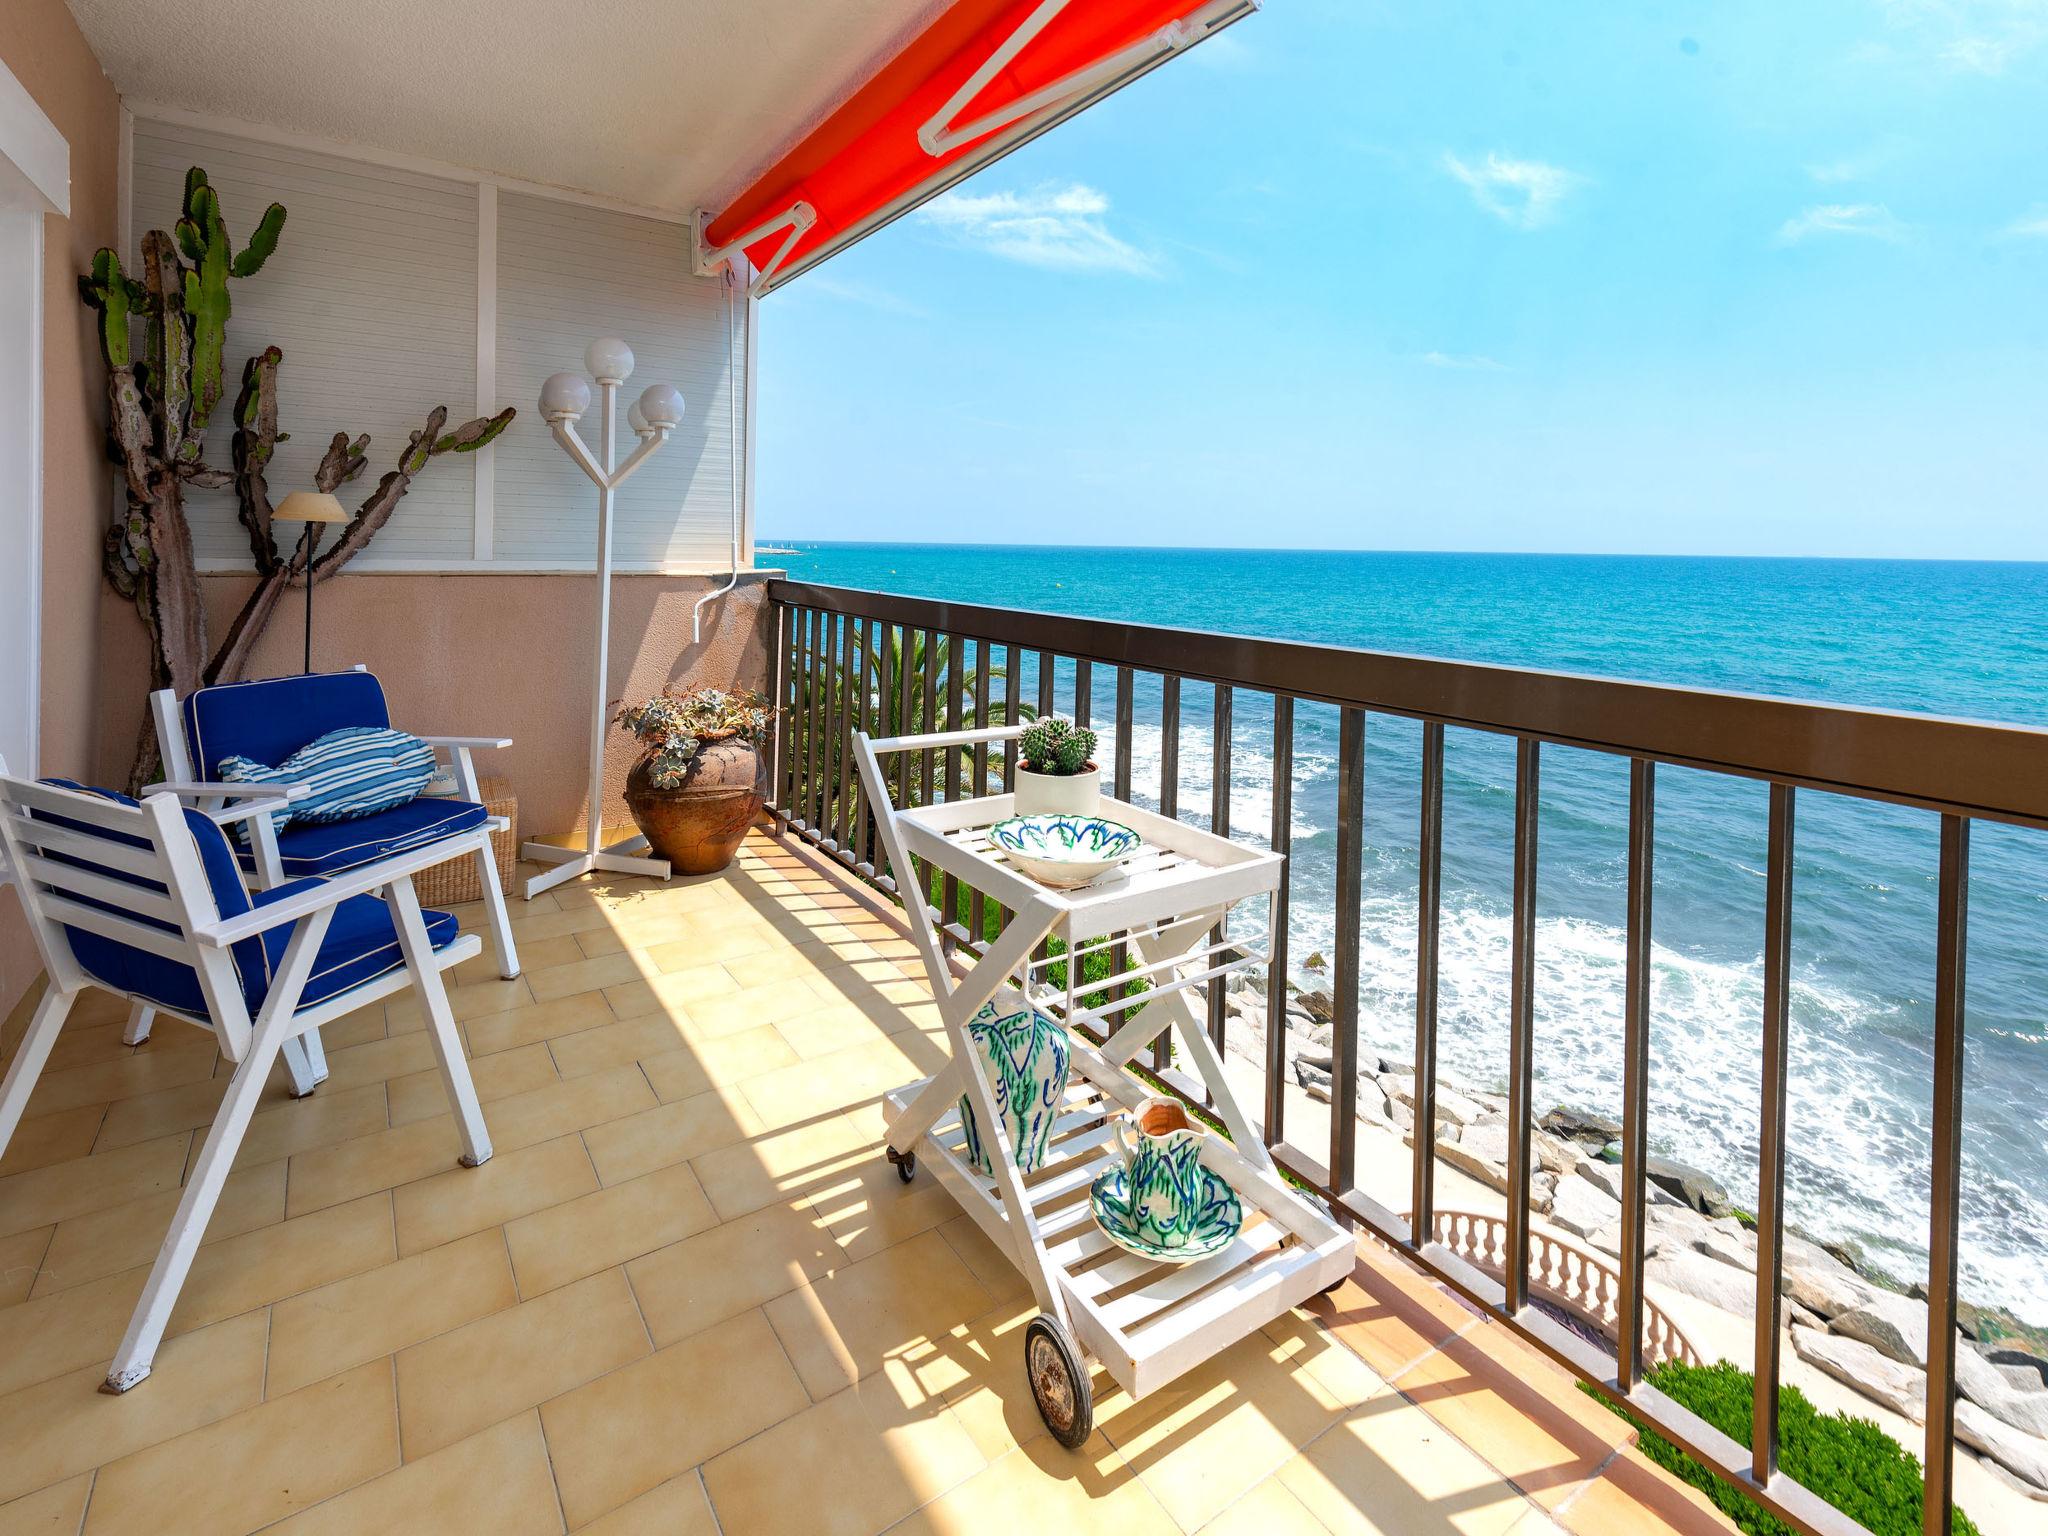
<point>849,660</point>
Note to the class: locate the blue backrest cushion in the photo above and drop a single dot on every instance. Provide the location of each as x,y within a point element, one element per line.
<point>350,773</point>
<point>128,969</point>
<point>269,719</point>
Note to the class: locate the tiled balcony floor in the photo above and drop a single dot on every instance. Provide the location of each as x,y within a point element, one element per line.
<point>687,1294</point>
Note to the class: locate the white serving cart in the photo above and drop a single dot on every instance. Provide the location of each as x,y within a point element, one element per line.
<point>1145,1322</point>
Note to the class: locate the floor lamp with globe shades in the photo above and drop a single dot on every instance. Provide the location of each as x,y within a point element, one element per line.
<point>563,400</point>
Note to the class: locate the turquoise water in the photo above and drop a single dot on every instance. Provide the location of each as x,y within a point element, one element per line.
<point>1950,638</point>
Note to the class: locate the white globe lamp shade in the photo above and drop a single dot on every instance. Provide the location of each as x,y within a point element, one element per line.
<point>564,397</point>
<point>661,405</point>
<point>636,421</point>
<point>609,360</point>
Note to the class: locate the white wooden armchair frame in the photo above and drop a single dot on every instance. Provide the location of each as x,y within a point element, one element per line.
<point>186,926</point>
<point>306,1058</point>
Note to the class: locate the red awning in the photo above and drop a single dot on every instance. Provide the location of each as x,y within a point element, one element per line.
<point>982,78</point>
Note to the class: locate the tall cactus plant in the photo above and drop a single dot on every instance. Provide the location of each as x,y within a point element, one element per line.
<point>159,408</point>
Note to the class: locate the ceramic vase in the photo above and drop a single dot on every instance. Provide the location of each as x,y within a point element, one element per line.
<point>699,826</point>
<point>1024,1055</point>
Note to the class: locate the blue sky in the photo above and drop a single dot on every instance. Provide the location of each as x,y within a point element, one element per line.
<point>1741,278</point>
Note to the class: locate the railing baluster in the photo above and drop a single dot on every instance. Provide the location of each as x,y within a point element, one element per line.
<point>1429,860</point>
<point>1169,745</point>
<point>1951,952</point>
<point>1126,711</point>
<point>809,717</point>
<point>785,700</point>
<point>978,903</point>
<point>1282,838</point>
<point>1084,693</point>
<point>1219,823</point>
<point>916,645</point>
<point>1522,1019</point>
<point>821,725</point>
<point>956,693</point>
<point>928,717</point>
<point>842,740</point>
<point>1344,975</point>
<point>863,714</point>
<point>1013,688</point>
<point>1770,1199</point>
<point>1048,673</point>
<point>1169,803</point>
<point>1635,1091</point>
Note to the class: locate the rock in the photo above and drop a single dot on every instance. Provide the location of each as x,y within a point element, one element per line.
<point>1455,1107</point>
<point>1322,1061</point>
<point>1891,1324</point>
<point>1814,1279</point>
<point>1372,1103</point>
<point>1488,1141</point>
<point>1699,1190</point>
<point>2011,1360</point>
<point>1318,1005</point>
<point>1400,1114</point>
<point>1581,1126</point>
<point>1455,1155</point>
<point>1607,1177</point>
<point>1878,1377</point>
<point>1728,1249</point>
<point>1399,1066</point>
<point>1553,1154</point>
<point>1673,1225</point>
<point>1581,1207</point>
<point>1399,1086</point>
<point>1542,1190</point>
<point>1316,961</point>
<point>2023,1455</point>
<point>1314,1077</point>
<point>1692,1273</point>
<point>2024,1408</point>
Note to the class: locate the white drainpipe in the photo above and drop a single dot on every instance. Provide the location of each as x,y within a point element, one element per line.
<point>732,386</point>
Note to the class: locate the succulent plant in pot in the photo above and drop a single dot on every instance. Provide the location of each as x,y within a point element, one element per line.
<point>1056,773</point>
<point>700,781</point>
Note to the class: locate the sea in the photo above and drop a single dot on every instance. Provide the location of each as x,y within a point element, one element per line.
<point>1950,638</point>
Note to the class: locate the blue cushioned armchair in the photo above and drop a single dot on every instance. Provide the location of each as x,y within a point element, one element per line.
<point>146,900</point>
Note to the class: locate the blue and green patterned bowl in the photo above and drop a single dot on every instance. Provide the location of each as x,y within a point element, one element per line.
<point>1211,1216</point>
<point>1063,850</point>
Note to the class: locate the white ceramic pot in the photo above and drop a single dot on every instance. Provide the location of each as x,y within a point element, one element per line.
<point>1058,794</point>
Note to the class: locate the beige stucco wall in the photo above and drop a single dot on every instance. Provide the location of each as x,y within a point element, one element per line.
<point>483,654</point>
<point>43,48</point>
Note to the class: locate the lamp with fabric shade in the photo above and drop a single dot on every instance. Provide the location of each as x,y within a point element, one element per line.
<point>314,509</point>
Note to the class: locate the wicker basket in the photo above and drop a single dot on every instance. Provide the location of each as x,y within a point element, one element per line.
<point>457,881</point>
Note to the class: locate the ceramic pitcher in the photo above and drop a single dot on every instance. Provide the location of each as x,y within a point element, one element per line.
<point>1024,1056</point>
<point>1162,1153</point>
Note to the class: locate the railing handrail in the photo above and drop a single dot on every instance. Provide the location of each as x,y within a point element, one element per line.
<point>1975,768</point>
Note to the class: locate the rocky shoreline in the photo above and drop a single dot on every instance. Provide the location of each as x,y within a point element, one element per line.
<point>1847,1321</point>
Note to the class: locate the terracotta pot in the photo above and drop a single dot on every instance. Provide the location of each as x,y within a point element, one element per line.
<point>699,827</point>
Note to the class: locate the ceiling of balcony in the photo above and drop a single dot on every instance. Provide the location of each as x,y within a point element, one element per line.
<point>667,104</point>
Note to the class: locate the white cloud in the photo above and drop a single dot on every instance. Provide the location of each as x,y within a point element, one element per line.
<point>1061,228</point>
<point>1524,193</point>
<point>1979,37</point>
<point>1464,360</point>
<point>2034,226</point>
<point>1872,221</point>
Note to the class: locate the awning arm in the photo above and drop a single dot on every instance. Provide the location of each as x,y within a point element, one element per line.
<point>941,133</point>
<point>797,218</point>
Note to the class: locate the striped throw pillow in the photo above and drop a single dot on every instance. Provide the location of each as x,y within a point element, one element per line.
<point>354,772</point>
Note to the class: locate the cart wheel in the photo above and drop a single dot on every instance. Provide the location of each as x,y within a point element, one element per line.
<point>906,1164</point>
<point>1059,1382</point>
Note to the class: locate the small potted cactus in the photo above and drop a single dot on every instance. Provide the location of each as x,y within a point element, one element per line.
<point>1055,772</point>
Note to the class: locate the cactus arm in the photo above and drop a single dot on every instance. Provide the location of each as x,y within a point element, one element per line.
<point>262,243</point>
<point>203,236</point>
<point>169,345</point>
<point>473,435</point>
<point>342,462</point>
<point>116,296</point>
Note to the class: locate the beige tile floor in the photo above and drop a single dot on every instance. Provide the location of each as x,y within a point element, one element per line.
<point>686,1296</point>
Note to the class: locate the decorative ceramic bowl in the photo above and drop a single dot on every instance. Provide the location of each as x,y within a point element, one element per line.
<point>1214,1218</point>
<point>1063,851</point>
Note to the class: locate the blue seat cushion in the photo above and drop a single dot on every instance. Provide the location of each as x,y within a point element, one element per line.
<point>360,943</point>
<point>331,847</point>
<point>268,719</point>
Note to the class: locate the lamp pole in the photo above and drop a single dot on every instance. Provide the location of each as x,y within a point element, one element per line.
<point>563,400</point>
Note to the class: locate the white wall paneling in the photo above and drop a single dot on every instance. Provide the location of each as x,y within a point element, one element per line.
<point>399,285</point>
<point>566,275</point>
